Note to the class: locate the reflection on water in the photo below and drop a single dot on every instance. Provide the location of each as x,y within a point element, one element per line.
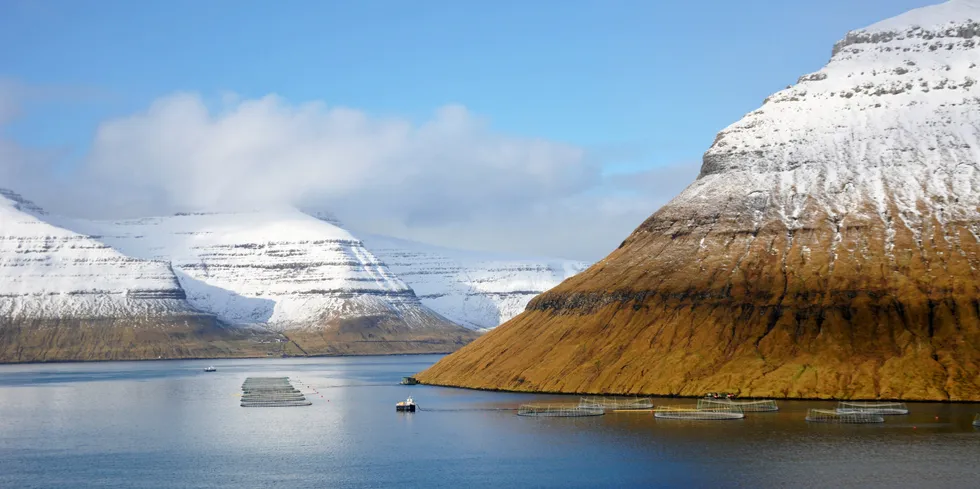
<point>170,424</point>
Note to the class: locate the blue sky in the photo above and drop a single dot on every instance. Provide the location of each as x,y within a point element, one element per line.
<point>639,85</point>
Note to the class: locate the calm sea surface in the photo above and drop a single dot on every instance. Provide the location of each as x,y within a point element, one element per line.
<point>168,424</point>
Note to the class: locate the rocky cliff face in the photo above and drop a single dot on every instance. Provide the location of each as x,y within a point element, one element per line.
<point>290,272</point>
<point>477,290</point>
<point>66,296</point>
<point>829,247</point>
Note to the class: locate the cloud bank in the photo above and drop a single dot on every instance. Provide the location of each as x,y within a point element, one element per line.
<point>450,180</point>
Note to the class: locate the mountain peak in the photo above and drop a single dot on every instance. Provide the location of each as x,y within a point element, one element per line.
<point>932,18</point>
<point>828,249</point>
<point>325,216</point>
<point>19,202</point>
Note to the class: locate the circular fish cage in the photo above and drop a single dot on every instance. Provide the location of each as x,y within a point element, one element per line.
<point>883,408</point>
<point>747,406</point>
<point>835,416</point>
<point>699,414</point>
<point>617,402</point>
<point>559,410</point>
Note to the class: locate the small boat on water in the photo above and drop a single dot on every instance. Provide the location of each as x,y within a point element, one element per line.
<point>210,369</point>
<point>720,395</point>
<point>407,405</point>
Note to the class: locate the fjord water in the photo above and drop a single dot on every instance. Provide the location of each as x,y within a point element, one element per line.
<point>165,424</point>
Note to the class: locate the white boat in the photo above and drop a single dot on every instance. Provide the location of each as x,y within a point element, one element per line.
<point>210,369</point>
<point>407,405</point>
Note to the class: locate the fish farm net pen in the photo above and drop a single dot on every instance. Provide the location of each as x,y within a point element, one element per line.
<point>699,414</point>
<point>277,404</point>
<point>271,392</point>
<point>559,410</point>
<point>834,416</point>
<point>747,406</point>
<point>884,408</point>
<point>617,402</point>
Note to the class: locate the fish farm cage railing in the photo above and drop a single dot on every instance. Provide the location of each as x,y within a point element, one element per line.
<point>699,414</point>
<point>559,410</point>
<point>275,403</point>
<point>883,408</point>
<point>836,416</point>
<point>617,402</point>
<point>747,406</point>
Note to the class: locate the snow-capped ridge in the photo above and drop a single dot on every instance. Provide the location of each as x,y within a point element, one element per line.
<point>281,268</point>
<point>937,24</point>
<point>479,290</point>
<point>931,18</point>
<point>888,130</point>
<point>49,272</point>
<point>20,203</point>
<point>324,216</point>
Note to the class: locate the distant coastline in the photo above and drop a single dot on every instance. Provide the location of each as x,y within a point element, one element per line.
<point>678,396</point>
<point>246,357</point>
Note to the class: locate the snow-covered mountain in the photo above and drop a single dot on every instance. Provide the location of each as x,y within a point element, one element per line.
<point>477,290</point>
<point>284,269</point>
<point>48,272</point>
<point>830,247</point>
<point>67,296</point>
<point>887,130</point>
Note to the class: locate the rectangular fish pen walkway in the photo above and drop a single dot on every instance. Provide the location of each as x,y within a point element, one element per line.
<point>271,392</point>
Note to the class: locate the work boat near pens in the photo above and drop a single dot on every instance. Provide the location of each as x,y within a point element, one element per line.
<point>407,405</point>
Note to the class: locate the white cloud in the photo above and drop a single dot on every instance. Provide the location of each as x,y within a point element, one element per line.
<point>450,180</point>
<point>265,151</point>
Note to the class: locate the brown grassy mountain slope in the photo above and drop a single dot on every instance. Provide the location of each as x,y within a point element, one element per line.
<point>381,335</point>
<point>202,336</point>
<point>191,336</point>
<point>829,248</point>
<point>770,313</point>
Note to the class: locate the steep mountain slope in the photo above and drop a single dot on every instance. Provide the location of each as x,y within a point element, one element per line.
<point>289,272</point>
<point>478,290</point>
<point>829,247</point>
<point>66,296</point>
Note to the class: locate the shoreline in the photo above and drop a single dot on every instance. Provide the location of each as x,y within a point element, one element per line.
<point>247,357</point>
<point>677,396</point>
